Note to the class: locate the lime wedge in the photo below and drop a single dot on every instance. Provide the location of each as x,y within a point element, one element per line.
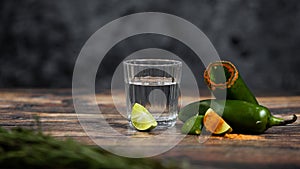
<point>193,125</point>
<point>141,119</point>
<point>214,123</point>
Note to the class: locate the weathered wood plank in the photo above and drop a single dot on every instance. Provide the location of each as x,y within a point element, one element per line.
<point>278,147</point>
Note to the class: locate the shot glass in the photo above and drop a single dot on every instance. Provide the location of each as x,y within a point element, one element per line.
<point>155,84</point>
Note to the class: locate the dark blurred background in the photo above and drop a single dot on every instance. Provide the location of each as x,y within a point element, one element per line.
<point>40,39</point>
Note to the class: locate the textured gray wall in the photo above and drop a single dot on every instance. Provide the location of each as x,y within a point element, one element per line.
<point>41,39</point>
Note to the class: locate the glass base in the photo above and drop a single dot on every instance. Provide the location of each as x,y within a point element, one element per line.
<point>166,124</point>
<point>163,124</point>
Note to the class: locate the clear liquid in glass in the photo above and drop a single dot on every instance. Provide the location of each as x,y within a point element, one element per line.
<point>159,95</point>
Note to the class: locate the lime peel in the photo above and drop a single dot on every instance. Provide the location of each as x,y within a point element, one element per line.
<point>214,123</point>
<point>193,125</point>
<point>141,118</point>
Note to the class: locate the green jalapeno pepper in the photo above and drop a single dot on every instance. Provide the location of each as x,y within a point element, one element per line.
<point>233,82</point>
<point>242,116</point>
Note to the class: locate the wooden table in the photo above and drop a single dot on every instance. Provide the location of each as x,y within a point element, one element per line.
<point>278,147</point>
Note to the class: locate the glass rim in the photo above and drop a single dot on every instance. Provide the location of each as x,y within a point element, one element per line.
<point>152,62</point>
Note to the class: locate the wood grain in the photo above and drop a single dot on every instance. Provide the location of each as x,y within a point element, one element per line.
<point>278,147</point>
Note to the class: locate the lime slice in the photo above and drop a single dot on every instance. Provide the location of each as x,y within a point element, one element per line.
<point>193,125</point>
<point>214,123</point>
<point>141,119</point>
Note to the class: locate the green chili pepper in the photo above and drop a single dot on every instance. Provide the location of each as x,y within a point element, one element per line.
<point>232,82</point>
<point>242,116</point>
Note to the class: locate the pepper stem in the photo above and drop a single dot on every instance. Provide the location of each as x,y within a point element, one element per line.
<point>275,121</point>
<point>290,120</point>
